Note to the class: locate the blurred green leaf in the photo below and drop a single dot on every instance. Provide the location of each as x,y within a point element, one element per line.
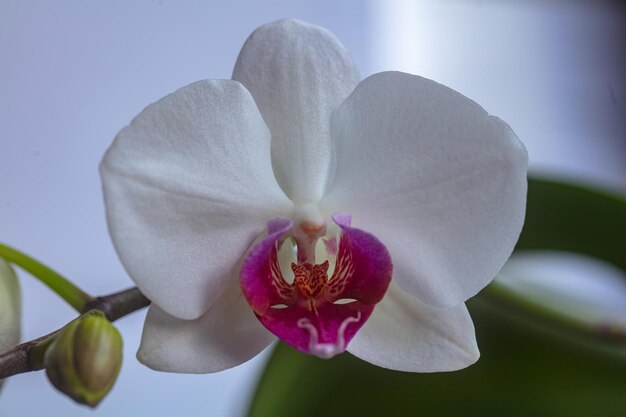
<point>528,366</point>
<point>522,372</point>
<point>574,218</point>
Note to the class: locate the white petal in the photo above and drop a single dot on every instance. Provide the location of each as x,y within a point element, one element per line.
<point>298,73</point>
<point>225,336</point>
<point>407,335</point>
<point>440,182</point>
<point>188,186</point>
<point>10,307</point>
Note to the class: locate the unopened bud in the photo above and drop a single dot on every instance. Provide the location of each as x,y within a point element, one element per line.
<point>84,360</point>
<point>10,308</point>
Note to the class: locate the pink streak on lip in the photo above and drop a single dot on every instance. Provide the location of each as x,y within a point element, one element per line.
<point>256,271</point>
<point>311,321</point>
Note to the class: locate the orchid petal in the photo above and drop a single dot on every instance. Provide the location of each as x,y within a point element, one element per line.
<point>188,186</point>
<point>405,334</point>
<point>298,73</point>
<point>225,336</point>
<point>440,182</point>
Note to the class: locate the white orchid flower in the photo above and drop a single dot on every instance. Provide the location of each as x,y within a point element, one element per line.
<point>10,308</point>
<point>297,146</point>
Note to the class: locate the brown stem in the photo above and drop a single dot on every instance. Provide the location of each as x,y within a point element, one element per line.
<point>118,304</point>
<point>28,356</point>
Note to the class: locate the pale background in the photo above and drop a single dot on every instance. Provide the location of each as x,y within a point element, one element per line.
<point>73,73</point>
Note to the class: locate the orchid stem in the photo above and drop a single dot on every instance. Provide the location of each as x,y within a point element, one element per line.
<point>68,291</point>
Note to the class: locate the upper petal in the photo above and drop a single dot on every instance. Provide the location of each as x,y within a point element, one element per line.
<point>188,186</point>
<point>407,335</point>
<point>440,182</point>
<point>225,336</point>
<point>298,73</point>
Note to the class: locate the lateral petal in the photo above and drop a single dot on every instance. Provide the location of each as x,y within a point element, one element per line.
<point>188,185</point>
<point>225,336</point>
<point>439,181</point>
<point>407,335</point>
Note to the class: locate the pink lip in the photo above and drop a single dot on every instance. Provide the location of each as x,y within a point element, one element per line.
<point>306,314</point>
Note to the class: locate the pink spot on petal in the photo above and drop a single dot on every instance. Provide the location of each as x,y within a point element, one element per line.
<point>331,246</point>
<point>342,219</point>
<point>261,281</point>
<point>278,225</point>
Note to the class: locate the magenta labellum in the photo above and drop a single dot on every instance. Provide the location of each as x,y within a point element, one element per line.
<point>319,312</point>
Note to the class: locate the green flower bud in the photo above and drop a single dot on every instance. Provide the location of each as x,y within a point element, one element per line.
<point>84,359</point>
<point>10,308</point>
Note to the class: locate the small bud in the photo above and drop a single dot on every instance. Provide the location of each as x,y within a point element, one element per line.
<point>10,308</point>
<point>85,358</point>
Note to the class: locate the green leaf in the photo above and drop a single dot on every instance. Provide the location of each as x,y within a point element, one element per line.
<point>522,372</point>
<point>575,218</point>
<point>63,287</point>
<point>529,366</point>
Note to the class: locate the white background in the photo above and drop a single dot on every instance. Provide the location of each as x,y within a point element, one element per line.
<point>73,73</point>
